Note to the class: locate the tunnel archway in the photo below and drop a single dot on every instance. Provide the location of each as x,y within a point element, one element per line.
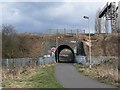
<point>59,49</point>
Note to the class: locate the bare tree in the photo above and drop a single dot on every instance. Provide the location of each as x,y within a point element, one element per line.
<point>8,30</point>
<point>9,41</point>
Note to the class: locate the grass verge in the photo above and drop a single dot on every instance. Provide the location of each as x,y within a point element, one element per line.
<point>104,73</point>
<point>38,77</point>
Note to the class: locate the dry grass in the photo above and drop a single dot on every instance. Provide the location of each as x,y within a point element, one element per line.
<point>10,75</point>
<point>106,45</point>
<point>105,73</point>
<point>18,77</point>
<point>0,77</point>
<point>17,71</point>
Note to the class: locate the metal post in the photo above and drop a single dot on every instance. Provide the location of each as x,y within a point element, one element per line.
<point>89,41</point>
<point>57,47</point>
<point>57,31</point>
<point>77,32</point>
<point>57,50</point>
<point>90,45</point>
<point>71,31</point>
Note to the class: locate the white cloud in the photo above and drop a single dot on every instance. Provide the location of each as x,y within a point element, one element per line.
<point>10,14</point>
<point>59,1</point>
<point>71,11</point>
<point>0,13</point>
<point>61,15</point>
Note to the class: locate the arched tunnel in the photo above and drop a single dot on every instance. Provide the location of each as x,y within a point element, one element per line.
<point>59,49</point>
<point>80,51</point>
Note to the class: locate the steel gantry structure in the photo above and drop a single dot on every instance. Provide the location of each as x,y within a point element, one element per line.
<point>109,12</point>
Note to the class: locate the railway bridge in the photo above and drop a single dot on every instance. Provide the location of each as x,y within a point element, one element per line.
<point>75,44</point>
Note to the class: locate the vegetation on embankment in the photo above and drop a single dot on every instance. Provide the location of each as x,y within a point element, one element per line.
<point>16,45</point>
<point>106,44</point>
<point>31,77</point>
<point>106,72</point>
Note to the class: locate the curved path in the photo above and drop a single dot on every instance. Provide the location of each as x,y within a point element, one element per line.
<point>69,77</point>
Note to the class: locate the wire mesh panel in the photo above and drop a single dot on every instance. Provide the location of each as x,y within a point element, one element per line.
<point>81,59</point>
<point>21,62</point>
<point>94,59</point>
<point>41,61</point>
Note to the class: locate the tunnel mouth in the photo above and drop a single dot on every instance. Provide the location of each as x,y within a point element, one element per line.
<point>58,51</point>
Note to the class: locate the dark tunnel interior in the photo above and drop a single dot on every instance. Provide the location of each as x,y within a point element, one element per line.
<point>59,49</point>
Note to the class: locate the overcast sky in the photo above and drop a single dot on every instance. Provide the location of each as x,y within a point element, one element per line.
<point>39,17</point>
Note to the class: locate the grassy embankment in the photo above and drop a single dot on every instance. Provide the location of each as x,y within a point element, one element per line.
<point>105,73</point>
<point>37,77</point>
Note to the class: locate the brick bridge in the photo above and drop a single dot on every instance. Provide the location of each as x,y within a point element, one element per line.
<point>75,43</point>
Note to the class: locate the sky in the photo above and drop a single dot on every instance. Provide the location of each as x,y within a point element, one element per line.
<point>40,17</point>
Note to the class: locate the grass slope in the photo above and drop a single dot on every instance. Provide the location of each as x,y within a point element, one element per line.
<point>40,77</point>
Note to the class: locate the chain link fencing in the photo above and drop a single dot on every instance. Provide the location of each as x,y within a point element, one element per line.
<point>22,62</point>
<point>94,59</point>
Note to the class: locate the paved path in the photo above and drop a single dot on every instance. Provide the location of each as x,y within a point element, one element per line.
<point>69,77</point>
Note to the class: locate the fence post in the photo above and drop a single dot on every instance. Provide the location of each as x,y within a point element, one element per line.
<point>7,63</point>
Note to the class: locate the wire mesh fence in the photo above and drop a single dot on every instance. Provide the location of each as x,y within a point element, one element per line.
<point>66,31</point>
<point>94,59</point>
<point>22,62</point>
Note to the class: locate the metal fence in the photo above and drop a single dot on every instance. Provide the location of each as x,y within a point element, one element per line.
<point>21,62</point>
<point>66,31</point>
<point>94,60</point>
